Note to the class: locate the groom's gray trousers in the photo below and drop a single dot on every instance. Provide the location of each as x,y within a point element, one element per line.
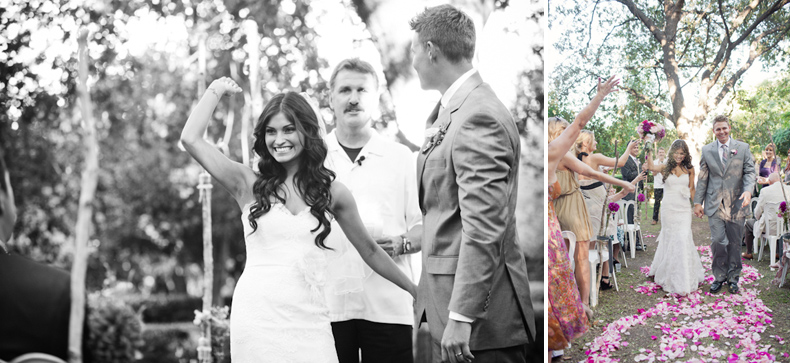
<point>726,252</point>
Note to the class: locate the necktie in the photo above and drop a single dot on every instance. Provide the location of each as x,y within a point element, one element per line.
<point>724,154</point>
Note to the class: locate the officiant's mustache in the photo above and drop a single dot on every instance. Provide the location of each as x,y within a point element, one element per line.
<point>352,108</point>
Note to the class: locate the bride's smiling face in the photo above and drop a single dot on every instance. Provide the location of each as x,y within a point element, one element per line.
<point>678,156</point>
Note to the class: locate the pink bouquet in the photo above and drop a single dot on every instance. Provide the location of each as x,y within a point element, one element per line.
<point>650,131</point>
<point>640,197</point>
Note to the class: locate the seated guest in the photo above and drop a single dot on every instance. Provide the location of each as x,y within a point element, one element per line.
<point>770,194</point>
<point>34,298</point>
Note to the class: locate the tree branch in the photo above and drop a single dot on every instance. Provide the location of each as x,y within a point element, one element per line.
<point>610,33</point>
<point>756,52</point>
<point>727,47</point>
<point>642,99</point>
<point>589,27</point>
<point>693,31</point>
<point>649,23</point>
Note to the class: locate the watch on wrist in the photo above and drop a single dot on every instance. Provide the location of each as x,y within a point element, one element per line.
<point>406,244</point>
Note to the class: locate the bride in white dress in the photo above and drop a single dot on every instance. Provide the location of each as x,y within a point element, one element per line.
<point>279,310</point>
<point>676,265</point>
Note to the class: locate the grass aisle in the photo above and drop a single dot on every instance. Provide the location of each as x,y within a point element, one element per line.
<point>642,323</point>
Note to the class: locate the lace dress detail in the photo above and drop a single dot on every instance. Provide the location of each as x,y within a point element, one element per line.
<point>676,265</point>
<point>279,311</point>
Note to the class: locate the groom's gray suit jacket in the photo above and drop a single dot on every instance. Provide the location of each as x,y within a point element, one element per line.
<point>720,185</point>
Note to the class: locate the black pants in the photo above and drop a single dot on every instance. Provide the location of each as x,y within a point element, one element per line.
<point>659,194</point>
<point>379,342</point>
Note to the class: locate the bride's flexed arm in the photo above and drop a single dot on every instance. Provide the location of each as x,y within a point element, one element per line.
<point>347,215</point>
<point>233,176</point>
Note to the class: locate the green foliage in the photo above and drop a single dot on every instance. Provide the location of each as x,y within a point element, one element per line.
<point>763,115</point>
<point>218,318</point>
<point>114,330</point>
<point>170,343</point>
<point>164,308</point>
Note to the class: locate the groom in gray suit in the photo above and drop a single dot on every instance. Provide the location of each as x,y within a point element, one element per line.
<point>474,290</point>
<point>724,186</point>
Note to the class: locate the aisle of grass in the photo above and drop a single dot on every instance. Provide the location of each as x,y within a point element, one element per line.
<point>644,326</point>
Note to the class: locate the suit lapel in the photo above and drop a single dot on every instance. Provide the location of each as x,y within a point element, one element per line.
<point>432,118</point>
<point>443,120</point>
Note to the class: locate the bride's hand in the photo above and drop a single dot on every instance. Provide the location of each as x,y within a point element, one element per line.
<point>224,85</point>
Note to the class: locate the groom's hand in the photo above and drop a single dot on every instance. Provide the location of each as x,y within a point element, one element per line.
<point>698,210</point>
<point>456,340</point>
<point>747,198</point>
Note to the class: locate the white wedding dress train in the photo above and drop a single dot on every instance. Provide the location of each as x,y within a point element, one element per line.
<point>676,265</point>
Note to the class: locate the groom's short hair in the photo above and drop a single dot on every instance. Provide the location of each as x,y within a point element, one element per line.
<point>721,118</point>
<point>450,29</point>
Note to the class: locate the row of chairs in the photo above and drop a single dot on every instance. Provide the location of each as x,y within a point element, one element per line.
<point>631,230</point>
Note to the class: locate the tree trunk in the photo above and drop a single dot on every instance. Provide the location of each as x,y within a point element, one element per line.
<point>255,103</point>
<point>85,210</point>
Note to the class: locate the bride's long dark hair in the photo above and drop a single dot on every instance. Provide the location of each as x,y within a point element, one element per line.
<point>671,164</point>
<point>312,180</point>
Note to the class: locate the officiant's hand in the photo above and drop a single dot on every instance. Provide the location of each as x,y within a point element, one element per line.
<point>455,340</point>
<point>747,198</point>
<point>698,210</point>
<point>392,245</point>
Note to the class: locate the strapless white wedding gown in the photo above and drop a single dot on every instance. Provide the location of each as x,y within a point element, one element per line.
<point>279,312</point>
<point>676,265</point>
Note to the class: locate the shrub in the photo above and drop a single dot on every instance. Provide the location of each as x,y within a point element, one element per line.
<point>114,331</point>
<point>170,343</point>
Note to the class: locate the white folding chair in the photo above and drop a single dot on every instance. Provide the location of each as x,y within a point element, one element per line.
<point>771,236</point>
<point>571,237</point>
<point>594,258</point>
<point>37,358</point>
<point>617,220</point>
<point>785,267</point>
<point>631,229</point>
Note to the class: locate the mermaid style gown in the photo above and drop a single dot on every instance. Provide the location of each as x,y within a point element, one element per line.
<point>279,310</point>
<point>676,265</point>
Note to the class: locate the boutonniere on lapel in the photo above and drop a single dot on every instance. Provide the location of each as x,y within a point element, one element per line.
<point>733,152</point>
<point>435,135</point>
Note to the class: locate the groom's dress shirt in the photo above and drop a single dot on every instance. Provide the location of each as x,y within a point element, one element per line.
<point>383,182</point>
<point>723,150</point>
<point>448,95</point>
